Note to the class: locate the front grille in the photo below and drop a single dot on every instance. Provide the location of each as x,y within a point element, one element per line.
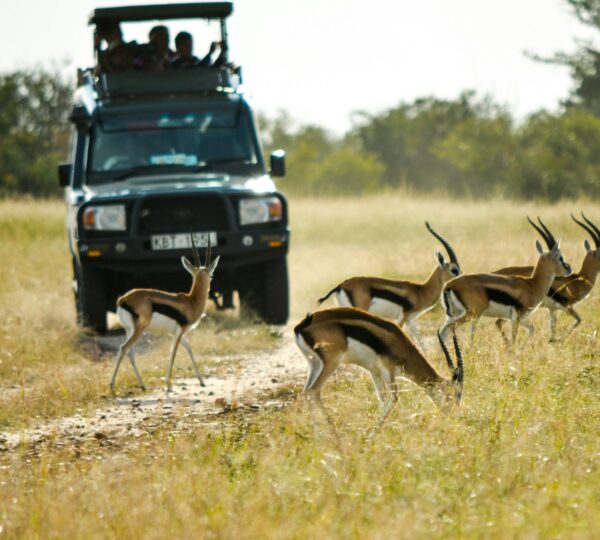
<point>176,215</point>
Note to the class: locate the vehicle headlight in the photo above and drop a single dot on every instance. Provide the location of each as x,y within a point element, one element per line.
<point>254,211</point>
<point>110,217</point>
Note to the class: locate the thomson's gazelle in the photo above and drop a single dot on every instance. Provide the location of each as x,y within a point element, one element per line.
<point>472,296</point>
<point>568,291</point>
<point>180,312</point>
<point>401,301</point>
<point>334,336</point>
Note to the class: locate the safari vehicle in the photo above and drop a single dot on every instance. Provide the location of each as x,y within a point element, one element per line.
<point>159,155</point>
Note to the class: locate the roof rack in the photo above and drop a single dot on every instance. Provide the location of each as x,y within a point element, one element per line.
<point>197,10</point>
<point>152,83</point>
<point>133,84</point>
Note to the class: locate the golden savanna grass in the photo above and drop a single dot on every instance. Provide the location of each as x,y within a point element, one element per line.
<point>520,459</point>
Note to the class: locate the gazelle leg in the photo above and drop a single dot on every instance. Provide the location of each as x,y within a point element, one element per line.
<point>500,326</point>
<point>380,386</point>
<point>474,324</point>
<point>530,329</point>
<point>134,335</point>
<point>392,393</point>
<point>552,315</point>
<point>414,332</point>
<point>514,332</point>
<point>444,330</point>
<point>176,340</point>
<point>330,360</point>
<point>577,322</point>
<point>131,354</point>
<point>186,345</point>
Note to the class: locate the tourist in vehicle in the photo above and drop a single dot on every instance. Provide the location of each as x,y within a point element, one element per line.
<point>184,58</point>
<point>159,40</point>
<point>118,55</point>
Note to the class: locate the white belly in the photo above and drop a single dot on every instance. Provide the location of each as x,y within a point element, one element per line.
<point>386,309</point>
<point>159,323</point>
<point>500,311</point>
<point>362,355</point>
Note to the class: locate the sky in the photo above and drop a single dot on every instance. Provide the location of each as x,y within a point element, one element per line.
<point>323,60</point>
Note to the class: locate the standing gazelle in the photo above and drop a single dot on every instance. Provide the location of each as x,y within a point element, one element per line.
<point>568,291</point>
<point>140,308</point>
<point>472,296</point>
<point>401,301</point>
<point>334,336</point>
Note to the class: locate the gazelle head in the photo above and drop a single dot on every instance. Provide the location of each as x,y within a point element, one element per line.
<point>594,232</point>
<point>450,269</point>
<point>553,257</point>
<point>450,393</point>
<point>197,269</point>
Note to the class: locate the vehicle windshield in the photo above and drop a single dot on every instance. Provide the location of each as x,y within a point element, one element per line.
<point>125,146</point>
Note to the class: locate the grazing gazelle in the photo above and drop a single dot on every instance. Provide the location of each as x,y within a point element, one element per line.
<point>566,292</point>
<point>334,336</point>
<point>472,296</point>
<point>179,312</point>
<point>401,301</point>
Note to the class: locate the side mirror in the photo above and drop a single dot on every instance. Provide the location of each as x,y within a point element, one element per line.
<point>278,163</point>
<point>64,174</point>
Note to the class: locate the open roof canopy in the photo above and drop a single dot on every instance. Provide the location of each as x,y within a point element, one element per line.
<point>197,10</point>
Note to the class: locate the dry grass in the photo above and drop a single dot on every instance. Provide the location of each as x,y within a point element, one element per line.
<point>519,460</point>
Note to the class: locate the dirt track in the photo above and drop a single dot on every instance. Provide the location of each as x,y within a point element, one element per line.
<point>247,381</point>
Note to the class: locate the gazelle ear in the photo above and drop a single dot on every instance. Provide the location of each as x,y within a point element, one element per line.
<point>213,265</point>
<point>440,259</point>
<point>187,265</point>
<point>587,246</point>
<point>539,247</point>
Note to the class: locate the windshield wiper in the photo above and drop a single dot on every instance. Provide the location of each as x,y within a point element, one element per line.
<point>134,171</point>
<point>229,160</point>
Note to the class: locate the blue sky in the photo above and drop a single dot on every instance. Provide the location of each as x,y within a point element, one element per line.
<point>323,59</point>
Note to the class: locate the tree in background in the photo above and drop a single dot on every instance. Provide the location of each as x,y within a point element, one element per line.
<point>558,157</point>
<point>585,62</point>
<point>34,131</point>
<point>317,161</point>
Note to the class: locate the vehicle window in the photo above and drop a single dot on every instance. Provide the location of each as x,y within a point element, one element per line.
<point>210,139</point>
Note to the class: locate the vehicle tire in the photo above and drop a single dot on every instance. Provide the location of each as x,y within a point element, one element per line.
<point>275,294</point>
<point>90,298</point>
<point>266,293</point>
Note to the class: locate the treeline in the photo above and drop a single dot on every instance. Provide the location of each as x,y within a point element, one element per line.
<point>469,146</point>
<point>464,147</point>
<point>34,131</point>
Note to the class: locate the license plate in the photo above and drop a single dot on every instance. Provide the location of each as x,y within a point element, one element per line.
<point>182,240</point>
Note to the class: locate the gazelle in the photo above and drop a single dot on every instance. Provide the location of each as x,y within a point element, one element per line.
<point>334,336</point>
<point>401,301</point>
<point>472,296</point>
<point>566,292</point>
<point>139,309</point>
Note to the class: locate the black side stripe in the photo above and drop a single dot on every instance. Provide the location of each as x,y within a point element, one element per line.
<point>170,312</point>
<point>502,297</point>
<point>130,310</point>
<point>365,337</point>
<point>557,296</point>
<point>386,294</point>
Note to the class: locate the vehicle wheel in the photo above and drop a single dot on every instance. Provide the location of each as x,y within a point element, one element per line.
<point>90,298</point>
<point>276,296</point>
<point>266,293</point>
